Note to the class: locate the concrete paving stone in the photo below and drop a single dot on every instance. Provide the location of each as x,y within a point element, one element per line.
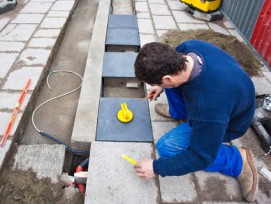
<point>141,0</point>
<point>42,42</point>
<point>7,60</point>
<point>36,7</point>
<point>218,28</point>
<point>28,18</point>
<point>156,1</point>
<point>47,33</point>
<point>159,9</point>
<point>3,22</point>
<point>17,32</point>
<point>164,22</point>
<point>45,160</point>
<point>262,85</point>
<point>178,189</point>
<point>111,179</point>
<point>62,6</point>
<point>58,14</point>
<point>186,26</point>
<point>228,25</point>
<point>229,188</point>
<point>176,5</point>
<point>18,78</point>
<point>8,100</point>
<point>143,15</point>
<point>237,35</point>
<point>184,17</point>
<point>267,74</point>
<point>145,38</point>
<point>32,56</point>
<point>145,26</point>
<point>161,128</point>
<point>53,22</point>
<point>142,7</point>
<point>4,150</point>
<point>11,46</point>
<point>161,32</point>
<point>5,119</point>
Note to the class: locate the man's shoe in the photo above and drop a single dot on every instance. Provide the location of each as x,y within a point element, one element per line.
<point>162,109</point>
<point>248,178</point>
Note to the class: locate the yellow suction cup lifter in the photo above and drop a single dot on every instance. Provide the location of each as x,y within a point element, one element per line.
<point>124,114</point>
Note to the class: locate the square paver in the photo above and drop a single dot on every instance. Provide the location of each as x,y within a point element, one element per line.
<point>36,7</point>
<point>122,21</point>
<point>143,15</point>
<point>176,5</point>
<point>159,9</point>
<point>62,6</point>
<point>178,189</point>
<point>52,22</point>
<point>229,188</point>
<point>47,33</point>
<point>18,78</point>
<point>63,14</point>
<point>11,46</point>
<point>145,26</point>
<point>17,32</point>
<point>109,128</point>
<point>184,17</point>
<point>147,38</point>
<point>5,119</point>
<point>113,179</point>
<point>33,56</point>
<point>156,1</point>
<point>7,60</point>
<point>42,42</point>
<point>164,22</point>
<point>122,36</point>
<point>3,23</point>
<point>8,100</point>
<point>119,64</point>
<point>142,7</point>
<point>218,28</point>
<point>28,18</point>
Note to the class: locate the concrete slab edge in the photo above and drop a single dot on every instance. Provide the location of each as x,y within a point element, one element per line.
<point>84,130</point>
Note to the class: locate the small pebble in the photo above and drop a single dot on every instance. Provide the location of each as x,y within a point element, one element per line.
<point>17,197</point>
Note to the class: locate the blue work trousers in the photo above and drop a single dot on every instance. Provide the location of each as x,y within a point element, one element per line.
<point>228,160</point>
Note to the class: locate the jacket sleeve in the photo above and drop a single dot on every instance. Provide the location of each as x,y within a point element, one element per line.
<point>206,138</point>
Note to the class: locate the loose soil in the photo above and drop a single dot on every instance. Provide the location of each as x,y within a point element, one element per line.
<point>239,50</point>
<point>19,186</point>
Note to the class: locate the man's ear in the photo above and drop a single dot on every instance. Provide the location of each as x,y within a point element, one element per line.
<point>167,79</point>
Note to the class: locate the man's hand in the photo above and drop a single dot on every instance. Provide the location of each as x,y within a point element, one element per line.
<point>156,90</point>
<point>144,169</point>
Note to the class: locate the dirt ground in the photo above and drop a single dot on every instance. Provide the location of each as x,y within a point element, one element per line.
<point>240,51</point>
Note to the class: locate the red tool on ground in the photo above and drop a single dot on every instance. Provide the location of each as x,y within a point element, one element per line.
<point>14,113</point>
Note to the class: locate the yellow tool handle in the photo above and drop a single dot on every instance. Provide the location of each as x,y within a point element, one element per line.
<point>129,159</point>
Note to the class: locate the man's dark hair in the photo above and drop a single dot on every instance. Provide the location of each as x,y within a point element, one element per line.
<point>156,60</point>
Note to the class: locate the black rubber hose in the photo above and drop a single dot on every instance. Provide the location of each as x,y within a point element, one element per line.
<point>84,163</point>
<point>73,151</point>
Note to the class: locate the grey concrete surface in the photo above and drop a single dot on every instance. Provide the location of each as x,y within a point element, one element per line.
<point>45,160</point>
<point>84,129</point>
<point>112,179</point>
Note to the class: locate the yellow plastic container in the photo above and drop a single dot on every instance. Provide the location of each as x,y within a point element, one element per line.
<point>203,5</point>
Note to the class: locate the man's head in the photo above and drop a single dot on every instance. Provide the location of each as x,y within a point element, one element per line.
<point>156,60</point>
